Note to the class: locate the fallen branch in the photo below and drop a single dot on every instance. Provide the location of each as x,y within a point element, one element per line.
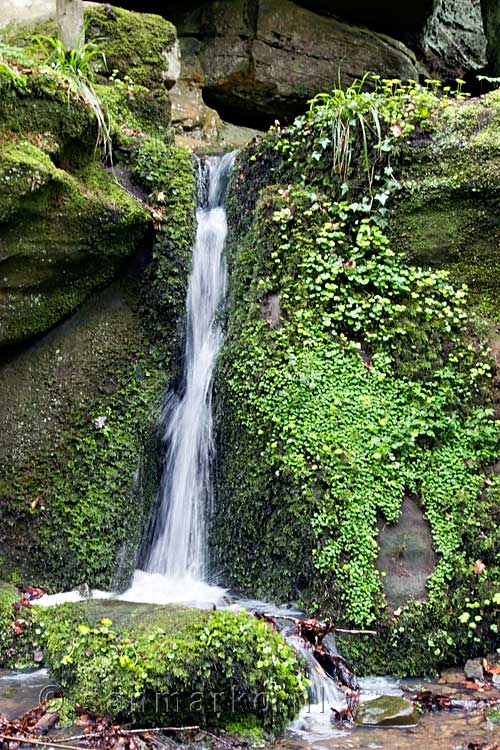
<point>32,741</point>
<point>149,730</point>
<point>313,634</point>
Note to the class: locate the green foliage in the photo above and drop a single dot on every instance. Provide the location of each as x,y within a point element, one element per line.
<point>176,666</point>
<point>76,64</point>
<point>369,381</point>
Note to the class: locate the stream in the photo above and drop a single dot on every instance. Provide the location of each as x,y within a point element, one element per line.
<point>176,567</point>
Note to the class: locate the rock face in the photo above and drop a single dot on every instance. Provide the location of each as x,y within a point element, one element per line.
<point>453,39</point>
<point>259,63</point>
<point>90,303</point>
<point>77,232</point>
<point>491,18</point>
<point>447,213</point>
<point>406,557</point>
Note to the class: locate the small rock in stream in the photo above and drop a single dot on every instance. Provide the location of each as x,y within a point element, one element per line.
<point>387,711</point>
<point>474,669</point>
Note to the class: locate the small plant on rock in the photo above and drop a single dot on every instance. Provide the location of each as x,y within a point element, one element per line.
<point>76,67</point>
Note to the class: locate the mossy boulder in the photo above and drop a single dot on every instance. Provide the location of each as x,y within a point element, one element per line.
<point>169,665</point>
<point>447,213</point>
<point>77,230</point>
<point>141,46</point>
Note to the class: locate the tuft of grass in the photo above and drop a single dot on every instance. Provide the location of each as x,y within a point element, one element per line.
<point>77,67</point>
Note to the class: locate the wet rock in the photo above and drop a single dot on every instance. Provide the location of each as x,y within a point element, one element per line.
<point>473,669</point>
<point>387,711</point>
<point>406,556</point>
<point>453,40</point>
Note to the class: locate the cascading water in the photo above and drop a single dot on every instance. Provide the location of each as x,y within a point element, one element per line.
<point>176,563</point>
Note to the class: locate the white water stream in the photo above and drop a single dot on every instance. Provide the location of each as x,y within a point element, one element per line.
<point>176,569</point>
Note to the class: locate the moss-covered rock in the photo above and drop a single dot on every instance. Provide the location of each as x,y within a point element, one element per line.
<point>169,665</point>
<point>81,479</point>
<point>349,379</point>
<point>77,231</point>
<point>80,397</point>
<point>141,46</point>
<point>447,213</point>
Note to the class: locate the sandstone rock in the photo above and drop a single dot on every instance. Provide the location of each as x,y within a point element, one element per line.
<point>406,556</point>
<point>257,65</point>
<point>387,711</point>
<point>453,39</point>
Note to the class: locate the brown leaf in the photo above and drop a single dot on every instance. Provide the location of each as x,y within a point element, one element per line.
<point>479,567</point>
<point>18,626</point>
<point>491,668</point>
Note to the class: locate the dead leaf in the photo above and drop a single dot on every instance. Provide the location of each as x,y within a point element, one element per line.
<point>18,626</point>
<point>160,198</point>
<point>491,668</point>
<point>479,567</point>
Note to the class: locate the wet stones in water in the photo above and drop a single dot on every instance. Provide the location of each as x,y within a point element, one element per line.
<point>406,556</point>
<point>386,711</point>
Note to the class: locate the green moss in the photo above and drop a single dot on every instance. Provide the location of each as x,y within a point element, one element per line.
<point>135,44</point>
<point>493,714</point>
<point>78,229</point>
<point>171,665</point>
<point>446,213</point>
<point>167,171</point>
<point>134,111</point>
<point>348,380</point>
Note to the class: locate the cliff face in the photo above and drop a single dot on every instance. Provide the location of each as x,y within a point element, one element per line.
<point>92,294</point>
<point>356,391</point>
<point>255,62</point>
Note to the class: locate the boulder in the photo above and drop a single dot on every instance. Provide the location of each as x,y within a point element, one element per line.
<point>254,66</point>
<point>453,38</point>
<point>387,711</point>
<point>167,665</point>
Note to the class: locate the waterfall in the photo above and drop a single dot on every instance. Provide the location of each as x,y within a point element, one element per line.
<point>178,551</point>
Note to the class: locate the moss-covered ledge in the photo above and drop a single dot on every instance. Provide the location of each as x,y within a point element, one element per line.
<point>447,212</point>
<point>160,665</point>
